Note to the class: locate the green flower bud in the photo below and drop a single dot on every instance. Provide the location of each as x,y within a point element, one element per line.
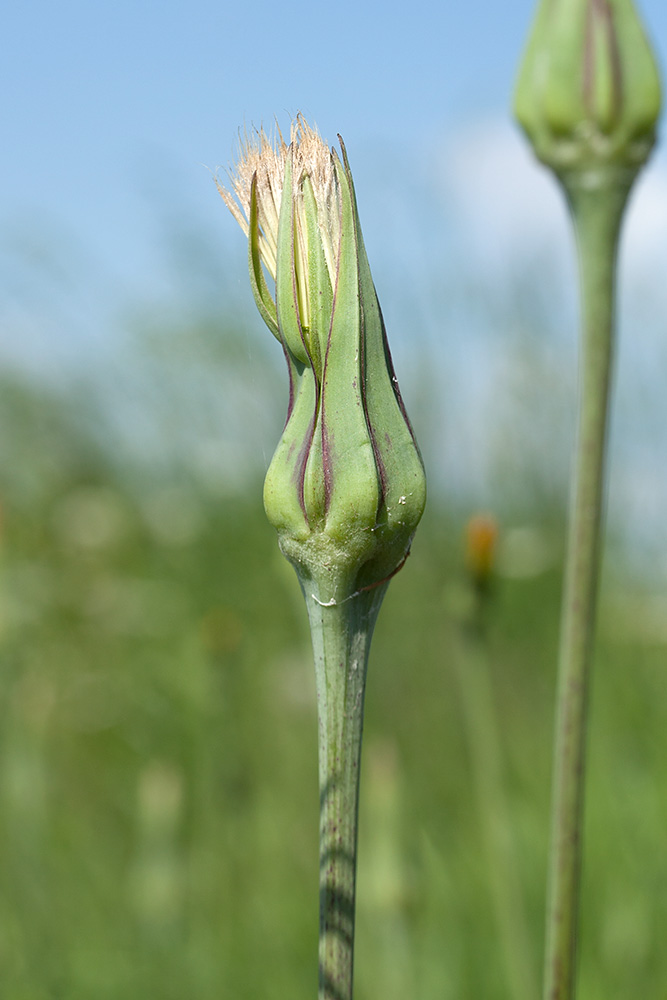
<point>588,92</point>
<point>345,488</point>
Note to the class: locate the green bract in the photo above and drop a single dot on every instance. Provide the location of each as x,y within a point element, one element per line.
<point>589,90</point>
<point>345,488</point>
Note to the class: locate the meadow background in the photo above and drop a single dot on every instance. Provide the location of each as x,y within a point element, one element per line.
<point>158,779</point>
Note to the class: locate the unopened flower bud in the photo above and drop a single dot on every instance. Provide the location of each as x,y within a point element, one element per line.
<point>588,93</point>
<point>481,538</point>
<point>345,488</point>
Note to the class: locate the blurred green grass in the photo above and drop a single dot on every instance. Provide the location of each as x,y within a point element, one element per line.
<point>158,773</point>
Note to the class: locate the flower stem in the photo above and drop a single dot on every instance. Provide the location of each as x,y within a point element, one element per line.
<point>482,732</point>
<point>597,201</point>
<point>341,635</point>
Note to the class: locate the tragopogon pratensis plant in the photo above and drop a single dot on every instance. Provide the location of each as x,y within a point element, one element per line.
<point>588,97</point>
<point>345,488</point>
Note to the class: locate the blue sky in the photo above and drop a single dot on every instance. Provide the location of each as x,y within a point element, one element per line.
<point>112,108</point>
<point>110,101</point>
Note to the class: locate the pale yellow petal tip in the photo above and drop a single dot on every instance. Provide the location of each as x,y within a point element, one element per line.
<point>264,156</point>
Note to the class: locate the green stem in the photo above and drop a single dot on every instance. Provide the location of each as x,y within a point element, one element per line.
<point>486,760</point>
<point>341,635</point>
<point>597,201</point>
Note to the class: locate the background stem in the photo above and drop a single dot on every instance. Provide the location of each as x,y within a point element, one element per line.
<point>485,749</point>
<point>341,636</point>
<point>597,201</point>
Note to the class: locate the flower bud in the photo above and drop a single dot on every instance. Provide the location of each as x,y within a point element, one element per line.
<point>588,92</point>
<point>481,542</point>
<point>345,488</point>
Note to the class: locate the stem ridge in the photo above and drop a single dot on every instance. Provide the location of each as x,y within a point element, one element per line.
<point>341,635</point>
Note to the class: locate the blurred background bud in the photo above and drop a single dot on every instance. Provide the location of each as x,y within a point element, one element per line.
<point>589,90</point>
<point>481,540</point>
